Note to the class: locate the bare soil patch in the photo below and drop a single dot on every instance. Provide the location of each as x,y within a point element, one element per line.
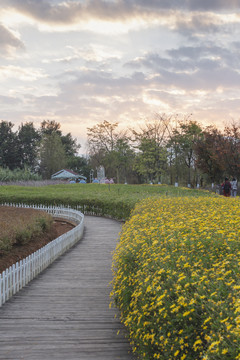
<point>19,252</point>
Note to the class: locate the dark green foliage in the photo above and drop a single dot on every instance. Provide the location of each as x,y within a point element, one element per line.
<point>9,154</point>
<point>52,155</point>
<point>25,174</point>
<point>28,140</point>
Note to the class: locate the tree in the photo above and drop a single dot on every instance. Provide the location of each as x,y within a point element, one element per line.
<point>208,154</point>
<point>218,154</point>
<point>70,145</point>
<point>150,143</point>
<point>28,140</point>
<point>102,137</point>
<point>52,155</point>
<point>151,160</point>
<point>184,139</point>
<point>9,155</point>
<point>121,158</point>
<point>48,127</point>
<point>110,148</point>
<point>231,151</point>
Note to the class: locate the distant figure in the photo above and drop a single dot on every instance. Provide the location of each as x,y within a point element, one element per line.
<point>226,186</point>
<point>234,187</point>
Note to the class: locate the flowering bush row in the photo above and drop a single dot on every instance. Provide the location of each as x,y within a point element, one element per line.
<point>177,278</point>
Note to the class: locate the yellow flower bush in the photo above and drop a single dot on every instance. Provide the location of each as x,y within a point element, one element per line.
<point>177,278</point>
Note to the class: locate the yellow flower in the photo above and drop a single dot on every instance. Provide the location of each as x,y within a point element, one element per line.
<point>176,353</point>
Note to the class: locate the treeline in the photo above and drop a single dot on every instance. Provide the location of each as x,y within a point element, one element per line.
<point>31,153</point>
<point>166,150</point>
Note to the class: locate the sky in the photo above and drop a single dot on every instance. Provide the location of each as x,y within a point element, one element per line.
<point>82,62</point>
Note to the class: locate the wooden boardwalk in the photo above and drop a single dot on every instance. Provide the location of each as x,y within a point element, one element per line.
<point>64,313</point>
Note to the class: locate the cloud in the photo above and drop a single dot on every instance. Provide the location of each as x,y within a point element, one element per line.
<point>190,61</point>
<point>156,62</point>
<point>20,73</point>
<point>193,25</point>
<point>91,54</point>
<point>171,56</point>
<point>9,100</point>
<point>207,5</point>
<point>196,5</point>
<point>66,12</point>
<point>202,79</point>
<point>8,42</point>
<point>100,84</point>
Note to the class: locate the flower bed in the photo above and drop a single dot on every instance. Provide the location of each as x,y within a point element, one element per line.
<point>176,278</point>
<point>19,226</point>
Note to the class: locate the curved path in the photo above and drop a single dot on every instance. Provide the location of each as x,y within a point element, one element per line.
<point>64,313</point>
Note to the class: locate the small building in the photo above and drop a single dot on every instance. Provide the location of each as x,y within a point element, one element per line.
<point>66,174</point>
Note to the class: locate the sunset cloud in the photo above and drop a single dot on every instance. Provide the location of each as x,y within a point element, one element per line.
<point>84,61</point>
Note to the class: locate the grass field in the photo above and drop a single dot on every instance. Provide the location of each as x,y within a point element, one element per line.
<point>113,200</point>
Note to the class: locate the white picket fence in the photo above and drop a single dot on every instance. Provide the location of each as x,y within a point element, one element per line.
<point>19,274</point>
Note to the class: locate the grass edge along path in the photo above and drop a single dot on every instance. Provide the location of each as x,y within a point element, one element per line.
<point>176,278</point>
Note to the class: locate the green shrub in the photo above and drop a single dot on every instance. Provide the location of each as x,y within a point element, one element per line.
<point>23,236</point>
<point>25,174</point>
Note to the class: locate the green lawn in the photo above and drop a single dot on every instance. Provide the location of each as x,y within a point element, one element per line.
<point>113,200</point>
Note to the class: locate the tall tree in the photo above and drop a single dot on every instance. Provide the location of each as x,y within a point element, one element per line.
<point>49,127</point>
<point>150,143</point>
<point>9,155</point>
<point>231,151</point>
<point>184,139</point>
<point>52,155</point>
<point>208,154</point>
<point>28,140</point>
<point>109,147</point>
<point>70,145</point>
<point>121,158</point>
<point>151,160</point>
<point>218,153</point>
<point>102,137</point>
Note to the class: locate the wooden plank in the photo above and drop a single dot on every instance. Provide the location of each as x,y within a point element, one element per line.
<point>64,313</point>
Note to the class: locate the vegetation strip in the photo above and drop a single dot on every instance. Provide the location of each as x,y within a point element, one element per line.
<point>176,278</point>
<point>167,149</point>
<point>116,201</point>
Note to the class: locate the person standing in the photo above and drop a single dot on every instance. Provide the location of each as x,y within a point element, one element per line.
<point>234,187</point>
<point>226,186</point>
